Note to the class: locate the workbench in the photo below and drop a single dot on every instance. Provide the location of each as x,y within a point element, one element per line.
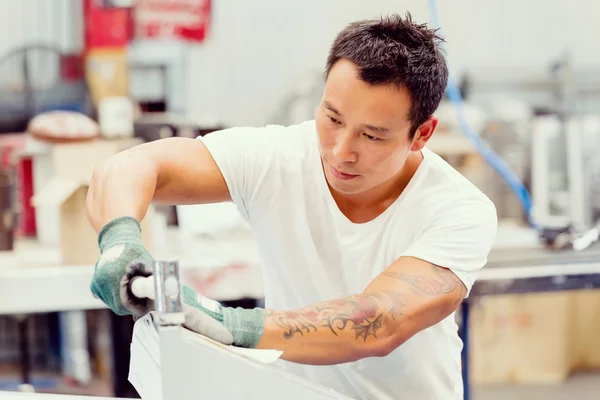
<point>208,265</point>
<point>529,269</point>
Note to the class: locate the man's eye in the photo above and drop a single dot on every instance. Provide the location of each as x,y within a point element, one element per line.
<point>335,121</point>
<point>370,137</point>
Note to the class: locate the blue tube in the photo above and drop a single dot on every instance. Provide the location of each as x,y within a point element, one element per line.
<point>488,154</point>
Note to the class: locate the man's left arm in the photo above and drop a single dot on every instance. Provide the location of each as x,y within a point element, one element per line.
<point>421,288</point>
<point>407,297</point>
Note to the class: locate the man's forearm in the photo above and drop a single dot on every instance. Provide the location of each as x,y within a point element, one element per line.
<point>337,331</point>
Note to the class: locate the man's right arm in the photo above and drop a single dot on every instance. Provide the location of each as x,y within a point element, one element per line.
<point>172,171</point>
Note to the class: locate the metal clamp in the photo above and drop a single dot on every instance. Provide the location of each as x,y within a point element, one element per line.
<point>165,288</point>
<point>168,302</point>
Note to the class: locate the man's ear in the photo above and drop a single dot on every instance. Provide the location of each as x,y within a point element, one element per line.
<point>424,133</point>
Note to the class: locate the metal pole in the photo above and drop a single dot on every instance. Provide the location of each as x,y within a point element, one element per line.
<point>23,324</point>
<point>464,329</point>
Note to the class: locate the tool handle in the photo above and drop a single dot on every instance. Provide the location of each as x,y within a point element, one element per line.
<point>164,288</point>
<point>142,287</point>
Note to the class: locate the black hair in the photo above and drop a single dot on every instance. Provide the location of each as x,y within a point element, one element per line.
<point>395,50</point>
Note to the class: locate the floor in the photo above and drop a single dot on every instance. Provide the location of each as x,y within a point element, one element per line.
<point>583,386</point>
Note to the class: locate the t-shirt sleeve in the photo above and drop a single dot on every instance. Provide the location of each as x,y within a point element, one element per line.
<point>458,238</point>
<point>244,155</point>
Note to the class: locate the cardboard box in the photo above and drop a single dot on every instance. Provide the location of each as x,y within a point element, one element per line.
<point>585,340</point>
<point>107,73</point>
<point>524,339</point>
<point>537,338</point>
<point>73,165</point>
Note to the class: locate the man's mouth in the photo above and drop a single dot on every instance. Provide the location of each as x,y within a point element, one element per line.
<point>342,175</point>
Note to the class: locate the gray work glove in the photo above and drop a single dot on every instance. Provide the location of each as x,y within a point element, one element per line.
<point>228,325</point>
<point>122,257</point>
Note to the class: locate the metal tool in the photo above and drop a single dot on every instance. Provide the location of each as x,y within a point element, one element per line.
<point>164,288</point>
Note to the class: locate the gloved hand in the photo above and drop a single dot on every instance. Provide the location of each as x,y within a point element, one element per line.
<point>122,257</point>
<point>238,326</point>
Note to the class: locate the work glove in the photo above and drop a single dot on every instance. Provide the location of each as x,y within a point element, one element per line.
<point>122,257</point>
<point>237,326</point>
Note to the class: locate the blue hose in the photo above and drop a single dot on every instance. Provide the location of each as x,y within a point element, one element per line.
<point>488,154</point>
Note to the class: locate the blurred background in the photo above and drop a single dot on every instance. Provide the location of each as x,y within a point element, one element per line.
<point>83,79</point>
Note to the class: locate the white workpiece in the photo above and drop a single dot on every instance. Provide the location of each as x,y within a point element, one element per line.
<point>32,279</point>
<point>166,361</point>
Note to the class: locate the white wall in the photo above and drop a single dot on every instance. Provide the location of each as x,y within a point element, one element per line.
<point>41,21</point>
<point>259,51</point>
<point>521,34</point>
<point>50,22</point>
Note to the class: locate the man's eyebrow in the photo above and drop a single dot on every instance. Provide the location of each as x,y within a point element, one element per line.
<point>379,129</point>
<point>373,128</point>
<point>329,106</point>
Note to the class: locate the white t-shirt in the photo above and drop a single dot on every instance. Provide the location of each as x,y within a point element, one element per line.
<point>313,253</point>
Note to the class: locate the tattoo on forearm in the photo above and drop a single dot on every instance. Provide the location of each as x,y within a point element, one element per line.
<point>363,314</point>
<point>444,282</point>
<point>366,314</point>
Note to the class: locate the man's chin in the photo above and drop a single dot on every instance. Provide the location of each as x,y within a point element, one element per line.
<point>343,187</point>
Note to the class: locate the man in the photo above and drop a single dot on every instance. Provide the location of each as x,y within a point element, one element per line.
<point>370,241</point>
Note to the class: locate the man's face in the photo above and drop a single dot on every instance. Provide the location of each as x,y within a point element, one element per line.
<point>363,131</point>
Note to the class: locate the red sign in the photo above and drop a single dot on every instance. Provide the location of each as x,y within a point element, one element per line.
<point>105,26</point>
<point>172,19</point>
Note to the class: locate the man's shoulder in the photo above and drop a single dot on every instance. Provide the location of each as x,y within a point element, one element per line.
<point>285,140</point>
<point>444,194</point>
<point>301,127</point>
<point>304,132</point>
<point>306,127</point>
<point>444,179</point>
<point>451,207</point>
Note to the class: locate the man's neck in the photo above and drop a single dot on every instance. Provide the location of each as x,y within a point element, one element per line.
<point>366,206</point>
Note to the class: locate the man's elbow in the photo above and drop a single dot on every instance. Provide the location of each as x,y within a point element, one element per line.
<point>394,336</point>
<point>411,323</point>
<point>93,201</point>
<point>390,343</point>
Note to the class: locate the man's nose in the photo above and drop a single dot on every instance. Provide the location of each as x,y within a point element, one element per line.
<point>344,148</point>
